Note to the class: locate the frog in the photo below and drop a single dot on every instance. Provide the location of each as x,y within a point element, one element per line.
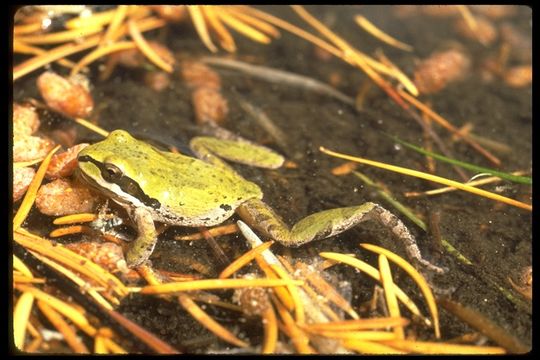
<point>204,190</point>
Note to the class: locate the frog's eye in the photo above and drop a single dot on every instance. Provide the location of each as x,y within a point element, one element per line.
<point>111,172</point>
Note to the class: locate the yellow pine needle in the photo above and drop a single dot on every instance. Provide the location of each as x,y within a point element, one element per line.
<point>468,17</point>
<point>100,52</point>
<point>244,260</point>
<point>298,337</point>
<point>270,330</point>
<point>21,314</point>
<point>33,188</point>
<point>63,327</point>
<point>103,18</point>
<point>358,324</point>
<point>61,36</point>
<point>113,347</point>
<point>75,218</point>
<point>416,276</point>
<point>369,347</point>
<point>359,335</point>
<point>18,278</point>
<point>429,177</point>
<point>200,25</point>
<point>80,282</point>
<point>87,124</point>
<point>62,307</point>
<point>253,21</point>
<point>483,181</point>
<point>99,345</point>
<point>447,125</point>
<point>209,323</point>
<point>20,47</point>
<point>69,230</point>
<point>281,292</point>
<point>70,259</point>
<point>379,34</point>
<point>117,19</point>
<point>243,27</point>
<point>20,266</point>
<point>146,49</point>
<point>374,273</point>
<point>225,38</point>
<point>298,305</point>
<point>57,53</point>
<point>27,28</point>
<point>389,293</point>
<point>209,284</point>
<point>325,289</point>
<point>215,231</point>
<point>22,164</point>
<point>424,347</point>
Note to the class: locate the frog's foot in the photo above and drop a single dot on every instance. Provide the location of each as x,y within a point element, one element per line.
<point>328,223</point>
<point>143,246</point>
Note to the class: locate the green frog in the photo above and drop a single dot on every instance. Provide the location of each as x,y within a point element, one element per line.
<point>154,185</point>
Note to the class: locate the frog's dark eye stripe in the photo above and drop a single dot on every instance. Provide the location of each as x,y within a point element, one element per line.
<point>112,174</point>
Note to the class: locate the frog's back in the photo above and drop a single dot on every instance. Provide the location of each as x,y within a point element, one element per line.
<point>196,193</point>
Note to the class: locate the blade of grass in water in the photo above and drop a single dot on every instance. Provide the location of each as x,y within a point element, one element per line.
<point>514,178</point>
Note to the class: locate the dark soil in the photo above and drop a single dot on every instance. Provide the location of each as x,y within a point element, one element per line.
<point>496,238</point>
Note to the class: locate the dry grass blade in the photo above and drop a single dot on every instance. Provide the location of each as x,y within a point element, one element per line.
<point>100,52</point>
<point>99,345</point>
<point>70,336</point>
<point>359,324</point>
<point>423,347</point>
<point>379,34</point>
<point>21,164</point>
<point>434,178</point>
<point>113,347</point>
<point>374,273</point>
<point>209,323</point>
<point>33,188</point>
<point>389,293</point>
<point>416,276</point>
<point>200,25</point>
<point>208,284</point>
<point>281,292</point>
<point>27,28</point>
<point>228,18</point>
<point>358,335</point>
<point>146,49</point>
<point>21,314</point>
<point>244,260</point>
<point>105,17</point>
<point>225,38</point>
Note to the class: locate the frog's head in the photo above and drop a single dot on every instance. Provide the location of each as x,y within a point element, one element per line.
<point>110,166</point>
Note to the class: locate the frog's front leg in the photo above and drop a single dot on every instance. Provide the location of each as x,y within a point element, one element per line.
<point>143,246</point>
<point>328,223</point>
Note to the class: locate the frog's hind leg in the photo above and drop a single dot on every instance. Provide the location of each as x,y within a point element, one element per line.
<point>328,223</point>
